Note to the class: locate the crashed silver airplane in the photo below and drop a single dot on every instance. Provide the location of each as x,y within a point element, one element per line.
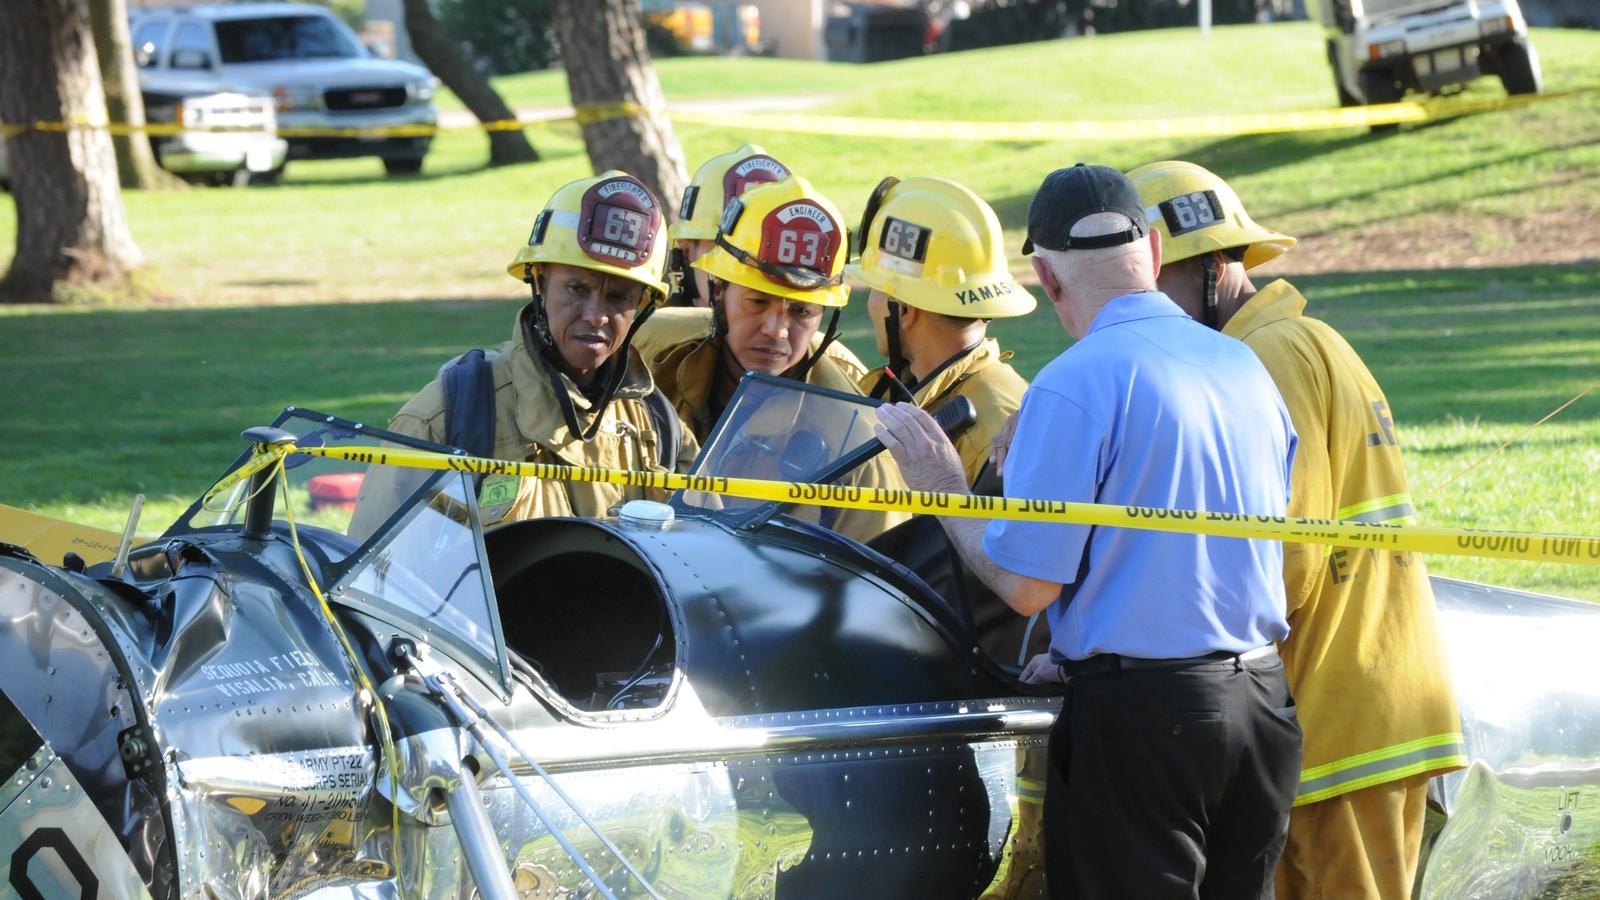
<point>711,698</point>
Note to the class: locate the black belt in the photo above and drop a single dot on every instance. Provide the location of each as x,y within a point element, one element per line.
<point>1102,663</point>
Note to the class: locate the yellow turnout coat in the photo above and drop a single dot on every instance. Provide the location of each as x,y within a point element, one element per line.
<point>1364,656</point>
<point>529,427</point>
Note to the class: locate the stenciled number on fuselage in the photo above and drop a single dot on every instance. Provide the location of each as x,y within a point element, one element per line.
<point>51,839</point>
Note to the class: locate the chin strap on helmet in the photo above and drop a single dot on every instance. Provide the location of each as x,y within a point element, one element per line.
<point>1208,273</point>
<point>799,372</point>
<point>719,316</point>
<point>536,320</point>
<point>899,368</point>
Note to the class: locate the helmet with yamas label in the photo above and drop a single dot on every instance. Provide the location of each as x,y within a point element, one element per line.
<point>935,245</point>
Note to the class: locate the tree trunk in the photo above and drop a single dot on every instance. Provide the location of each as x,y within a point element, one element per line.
<point>603,50</point>
<point>136,162</point>
<point>70,223</point>
<point>441,55</point>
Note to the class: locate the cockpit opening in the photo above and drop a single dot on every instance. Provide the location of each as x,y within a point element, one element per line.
<point>585,612</point>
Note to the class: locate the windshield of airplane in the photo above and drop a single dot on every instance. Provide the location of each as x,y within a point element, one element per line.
<point>405,545</point>
<point>779,429</point>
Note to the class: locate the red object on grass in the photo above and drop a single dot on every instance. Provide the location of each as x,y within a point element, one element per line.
<point>335,489</point>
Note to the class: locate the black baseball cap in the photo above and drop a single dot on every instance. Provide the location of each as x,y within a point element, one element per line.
<point>1068,195</point>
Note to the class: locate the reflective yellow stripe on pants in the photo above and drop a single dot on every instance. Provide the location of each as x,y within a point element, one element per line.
<point>1441,751</point>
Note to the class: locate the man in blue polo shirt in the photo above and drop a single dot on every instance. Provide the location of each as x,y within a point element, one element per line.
<point>1175,758</point>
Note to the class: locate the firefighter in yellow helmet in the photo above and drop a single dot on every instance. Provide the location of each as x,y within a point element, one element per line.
<point>1364,656</point>
<point>720,179</point>
<point>775,272</point>
<point>567,388</point>
<point>933,255</point>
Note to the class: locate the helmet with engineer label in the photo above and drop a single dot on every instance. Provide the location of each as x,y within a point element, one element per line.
<point>785,239</point>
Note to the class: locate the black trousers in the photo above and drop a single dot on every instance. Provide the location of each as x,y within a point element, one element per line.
<point>1171,783</point>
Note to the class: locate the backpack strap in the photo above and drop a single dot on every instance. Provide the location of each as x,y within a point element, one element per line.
<point>669,430</point>
<point>468,382</point>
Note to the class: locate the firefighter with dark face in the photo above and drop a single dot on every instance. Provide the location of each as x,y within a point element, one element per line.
<point>774,274</point>
<point>720,179</point>
<point>933,255</point>
<point>567,388</point>
<point>1364,656</point>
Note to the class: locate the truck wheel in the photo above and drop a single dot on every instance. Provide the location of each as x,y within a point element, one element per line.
<point>1380,86</point>
<point>1519,68</point>
<point>270,176</point>
<point>402,165</point>
<point>1346,98</point>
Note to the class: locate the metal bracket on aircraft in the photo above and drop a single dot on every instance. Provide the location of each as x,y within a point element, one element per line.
<point>472,714</point>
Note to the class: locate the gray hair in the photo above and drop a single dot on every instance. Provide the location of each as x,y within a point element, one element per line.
<point>1070,266</point>
<point>1102,223</point>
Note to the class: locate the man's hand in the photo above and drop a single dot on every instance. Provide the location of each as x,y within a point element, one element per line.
<point>1040,670</point>
<point>927,459</point>
<point>1001,445</point>
<point>929,462</point>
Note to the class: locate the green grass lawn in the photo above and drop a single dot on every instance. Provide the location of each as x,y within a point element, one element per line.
<point>1459,258</point>
<point>688,78</point>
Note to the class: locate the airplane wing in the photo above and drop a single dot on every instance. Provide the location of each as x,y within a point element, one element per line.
<point>50,539</point>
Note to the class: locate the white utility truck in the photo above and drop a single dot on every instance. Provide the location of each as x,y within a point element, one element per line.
<point>1379,49</point>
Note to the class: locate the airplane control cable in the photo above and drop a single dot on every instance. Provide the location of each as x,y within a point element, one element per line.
<point>458,701</point>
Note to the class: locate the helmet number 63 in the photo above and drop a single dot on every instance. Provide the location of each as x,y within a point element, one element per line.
<point>622,227</point>
<point>1193,211</point>
<point>791,252</point>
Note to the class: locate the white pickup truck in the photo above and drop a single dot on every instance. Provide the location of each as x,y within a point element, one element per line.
<point>228,137</point>
<point>1379,49</point>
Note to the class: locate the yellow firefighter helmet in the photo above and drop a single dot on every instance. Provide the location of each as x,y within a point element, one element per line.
<point>1197,213</point>
<point>935,245</point>
<point>720,179</point>
<point>783,239</point>
<point>610,223</point>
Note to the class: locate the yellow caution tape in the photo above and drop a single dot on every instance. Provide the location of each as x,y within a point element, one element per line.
<point>1526,546</point>
<point>586,114</point>
<point>913,129</point>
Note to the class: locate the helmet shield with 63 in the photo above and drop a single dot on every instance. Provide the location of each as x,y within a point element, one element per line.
<point>784,239</point>
<point>618,222</point>
<point>610,223</point>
